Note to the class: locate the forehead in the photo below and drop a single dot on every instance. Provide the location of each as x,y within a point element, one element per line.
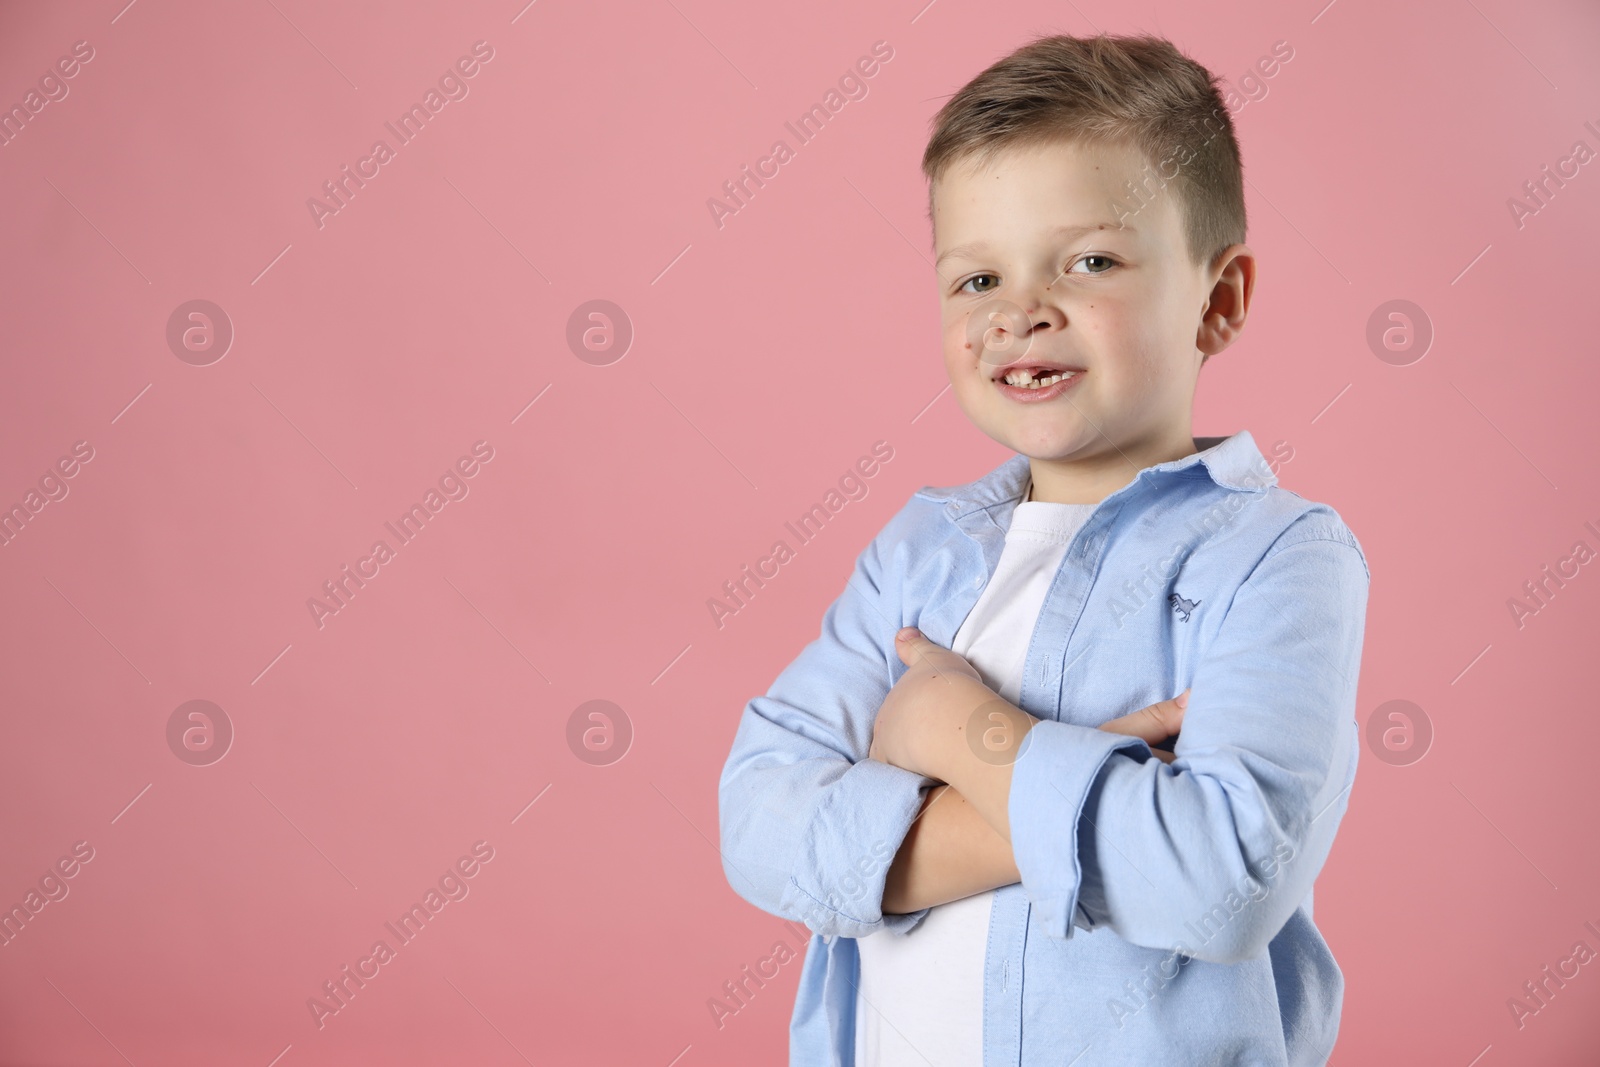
<point>1024,192</point>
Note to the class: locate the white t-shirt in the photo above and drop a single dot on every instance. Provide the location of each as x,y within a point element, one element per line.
<point>920,996</point>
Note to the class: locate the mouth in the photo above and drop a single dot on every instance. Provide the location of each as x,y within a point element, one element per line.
<point>1035,375</point>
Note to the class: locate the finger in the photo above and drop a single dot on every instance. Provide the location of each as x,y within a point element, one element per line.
<point>1180,704</point>
<point>1148,724</point>
<point>1163,755</point>
<point>1165,715</point>
<point>911,644</point>
<point>915,647</point>
<point>1155,723</point>
<point>1168,714</point>
<point>1137,724</point>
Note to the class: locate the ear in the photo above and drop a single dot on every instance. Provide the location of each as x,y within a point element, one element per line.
<point>1233,280</point>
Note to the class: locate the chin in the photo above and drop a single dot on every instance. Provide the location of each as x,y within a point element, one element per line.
<point>1055,446</point>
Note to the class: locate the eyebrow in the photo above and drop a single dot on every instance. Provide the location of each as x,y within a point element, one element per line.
<point>1057,231</point>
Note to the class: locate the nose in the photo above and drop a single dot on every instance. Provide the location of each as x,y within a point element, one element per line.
<point>1003,330</point>
<point>1039,311</point>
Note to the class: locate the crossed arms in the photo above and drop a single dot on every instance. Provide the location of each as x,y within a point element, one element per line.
<point>1097,832</point>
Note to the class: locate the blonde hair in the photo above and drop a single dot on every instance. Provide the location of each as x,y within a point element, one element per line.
<point>1135,90</point>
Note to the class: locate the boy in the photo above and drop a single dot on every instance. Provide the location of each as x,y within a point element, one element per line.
<point>966,815</point>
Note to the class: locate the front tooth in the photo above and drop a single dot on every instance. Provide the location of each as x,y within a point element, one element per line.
<point>1024,379</point>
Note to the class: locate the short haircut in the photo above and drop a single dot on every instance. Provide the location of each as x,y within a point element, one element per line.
<point>1138,91</point>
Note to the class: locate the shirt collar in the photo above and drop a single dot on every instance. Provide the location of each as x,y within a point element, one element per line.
<point>1232,462</point>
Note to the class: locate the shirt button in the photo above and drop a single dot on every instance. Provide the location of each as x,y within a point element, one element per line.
<point>953,508</point>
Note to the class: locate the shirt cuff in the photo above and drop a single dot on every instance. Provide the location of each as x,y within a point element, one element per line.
<point>1050,782</point>
<point>849,843</point>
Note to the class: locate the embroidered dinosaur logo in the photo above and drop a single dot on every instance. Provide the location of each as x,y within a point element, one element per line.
<point>1181,606</point>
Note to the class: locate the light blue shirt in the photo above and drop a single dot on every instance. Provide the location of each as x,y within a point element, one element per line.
<point>1164,912</point>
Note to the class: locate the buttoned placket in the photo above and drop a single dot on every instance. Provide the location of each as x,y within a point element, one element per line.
<point>1008,917</point>
<point>1004,979</point>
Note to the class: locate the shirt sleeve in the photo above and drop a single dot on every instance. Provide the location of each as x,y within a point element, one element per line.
<point>809,824</point>
<point>1211,854</point>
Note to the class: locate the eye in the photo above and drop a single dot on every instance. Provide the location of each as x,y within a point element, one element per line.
<point>976,277</point>
<point>1107,260</point>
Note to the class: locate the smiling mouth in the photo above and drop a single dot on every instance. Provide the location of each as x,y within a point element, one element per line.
<point>1038,378</point>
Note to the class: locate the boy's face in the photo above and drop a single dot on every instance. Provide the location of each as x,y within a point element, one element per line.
<point>1018,284</point>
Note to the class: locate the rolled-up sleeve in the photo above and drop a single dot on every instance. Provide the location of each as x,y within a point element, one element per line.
<point>1211,854</point>
<point>809,824</point>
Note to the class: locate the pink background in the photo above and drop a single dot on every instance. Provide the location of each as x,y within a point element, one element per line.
<point>768,355</point>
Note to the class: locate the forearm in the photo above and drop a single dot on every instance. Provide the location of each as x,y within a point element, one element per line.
<point>949,853</point>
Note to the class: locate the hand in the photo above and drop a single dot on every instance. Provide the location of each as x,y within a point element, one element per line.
<point>937,693</point>
<point>1153,724</point>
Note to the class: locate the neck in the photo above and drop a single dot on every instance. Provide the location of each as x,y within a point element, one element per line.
<point>1091,480</point>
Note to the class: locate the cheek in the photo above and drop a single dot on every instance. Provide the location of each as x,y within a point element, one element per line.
<point>949,351</point>
<point>1129,340</point>
<point>1168,315</point>
<point>954,326</point>
<point>1128,324</point>
<point>1148,363</point>
<point>1115,326</point>
<point>957,352</point>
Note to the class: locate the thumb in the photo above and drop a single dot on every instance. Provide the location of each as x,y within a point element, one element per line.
<point>907,643</point>
<point>1155,723</point>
